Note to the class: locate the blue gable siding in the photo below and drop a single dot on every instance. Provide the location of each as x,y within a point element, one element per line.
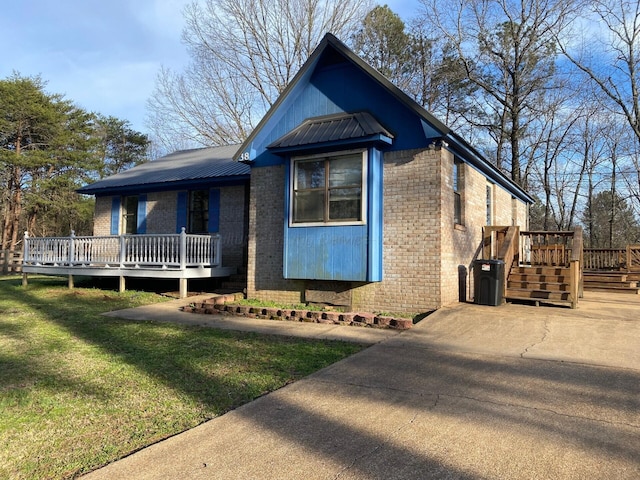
<point>338,89</point>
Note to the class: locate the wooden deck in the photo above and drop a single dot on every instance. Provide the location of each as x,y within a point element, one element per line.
<point>539,266</point>
<point>614,270</point>
<point>179,256</point>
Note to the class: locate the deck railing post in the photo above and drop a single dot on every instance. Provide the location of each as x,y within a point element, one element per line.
<point>71,250</point>
<point>217,253</point>
<point>25,248</point>
<point>25,257</point>
<point>123,250</point>
<point>183,248</point>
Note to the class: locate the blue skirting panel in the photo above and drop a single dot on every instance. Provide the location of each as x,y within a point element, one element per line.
<point>326,253</point>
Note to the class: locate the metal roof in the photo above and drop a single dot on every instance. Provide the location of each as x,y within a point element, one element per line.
<point>178,167</point>
<point>332,128</point>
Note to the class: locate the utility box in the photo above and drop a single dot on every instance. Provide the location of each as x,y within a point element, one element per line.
<point>488,282</point>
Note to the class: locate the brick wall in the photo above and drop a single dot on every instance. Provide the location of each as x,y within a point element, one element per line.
<point>266,239</point>
<point>233,225</point>
<point>102,217</point>
<point>423,250</point>
<point>411,236</point>
<point>162,211</point>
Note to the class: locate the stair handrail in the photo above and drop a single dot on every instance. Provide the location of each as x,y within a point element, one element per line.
<point>575,262</point>
<point>509,252</point>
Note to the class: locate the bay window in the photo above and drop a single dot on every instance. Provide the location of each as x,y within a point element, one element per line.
<point>328,189</point>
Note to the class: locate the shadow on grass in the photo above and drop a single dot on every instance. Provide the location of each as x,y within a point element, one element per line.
<point>579,408</point>
<point>186,359</point>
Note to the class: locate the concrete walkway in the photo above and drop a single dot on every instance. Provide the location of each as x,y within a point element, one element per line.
<point>470,392</point>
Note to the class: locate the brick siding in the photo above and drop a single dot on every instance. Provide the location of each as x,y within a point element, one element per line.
<point>266,239</point>
<point>102,217</point>
<point>423,250</point>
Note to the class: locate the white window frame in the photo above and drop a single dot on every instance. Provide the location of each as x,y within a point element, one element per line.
<point>458,190</point>
<point>363,198</point>
<point>490,203</point>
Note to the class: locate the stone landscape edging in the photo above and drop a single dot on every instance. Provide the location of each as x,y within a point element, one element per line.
<point>225,304</point>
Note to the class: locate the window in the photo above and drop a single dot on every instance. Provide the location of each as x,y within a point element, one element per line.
<point>458,180</point>
<point>130,215</point>
<point>328,189</point>
<point>198,211</point>
<point>489,204</point>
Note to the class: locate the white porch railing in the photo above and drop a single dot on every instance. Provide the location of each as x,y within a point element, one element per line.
<point>125,251</point>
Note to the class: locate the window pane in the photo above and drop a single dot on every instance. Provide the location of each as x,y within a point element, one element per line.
<point>131,215</point>
<point>198,211</point>
<point>344,204</point>
<point>308,206</point>
<point>456,177</point>
<point>309,175</point>
<point>345,171</point>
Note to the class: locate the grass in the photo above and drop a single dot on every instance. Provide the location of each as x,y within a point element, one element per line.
<point>79,390</point>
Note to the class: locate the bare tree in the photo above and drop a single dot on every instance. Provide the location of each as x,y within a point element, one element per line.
<point>243,55</point>
<point>507,50</point>
<point>615,66</point>
<point>610,60</point>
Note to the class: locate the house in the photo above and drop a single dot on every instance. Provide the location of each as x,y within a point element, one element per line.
<point>182,216</point>
<point>201,190</point>
<point>346,193</point>
<point>360,197</point>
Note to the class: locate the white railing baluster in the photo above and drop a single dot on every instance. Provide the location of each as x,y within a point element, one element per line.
<point>168,251</point>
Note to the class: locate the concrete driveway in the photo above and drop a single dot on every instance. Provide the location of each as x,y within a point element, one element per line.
<point>470,392</point>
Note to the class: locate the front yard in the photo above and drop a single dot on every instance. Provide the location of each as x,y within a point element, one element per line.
<point>79,390</point>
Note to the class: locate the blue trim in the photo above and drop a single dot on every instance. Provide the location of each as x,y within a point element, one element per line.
<point>141,228</point>
<point>333,145</point>
<point>214,210</point>
<point>115,215</point>
<point>200,184</point>
<point>375,215</point>
<point>287,207</point>
<point>182,211</point>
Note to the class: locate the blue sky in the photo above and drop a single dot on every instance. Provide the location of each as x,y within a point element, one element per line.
<point>103,55</point>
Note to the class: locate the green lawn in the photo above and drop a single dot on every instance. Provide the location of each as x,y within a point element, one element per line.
<point>79,390</point>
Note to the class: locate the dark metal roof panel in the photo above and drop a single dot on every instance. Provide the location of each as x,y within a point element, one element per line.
<point>332,128</point>
<point>195,164</point>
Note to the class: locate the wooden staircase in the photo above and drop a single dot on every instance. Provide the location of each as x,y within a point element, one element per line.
<point>540,266</point>
<point>545,284</point>
<point>616,282</point>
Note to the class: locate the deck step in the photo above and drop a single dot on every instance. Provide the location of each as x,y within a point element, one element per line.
<point>538,285</point>
<point>592,283</point>
<point>606,277</point>
<point>612,289</point>
<point>614,282</point>
<point>538,278</point>
<point>524,294</point>
<point>541,271</point>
